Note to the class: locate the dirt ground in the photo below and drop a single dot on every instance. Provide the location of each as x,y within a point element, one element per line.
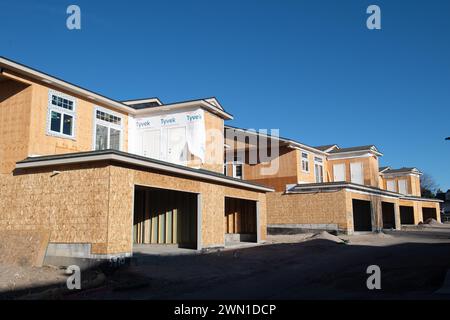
<point>20,278</point>
<point>306,266</point>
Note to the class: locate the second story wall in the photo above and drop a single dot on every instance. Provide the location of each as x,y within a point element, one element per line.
<point>188,136</point>
<point>15,106</point>
<point>29,122</point>
<point>407,184</point>
<point>369,166</point>
<point>308,164</point>
<point>44,141</point>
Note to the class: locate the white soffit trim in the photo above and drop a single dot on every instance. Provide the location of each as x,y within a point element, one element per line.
<point>350,155</point>
<point>143,163</point>
<point>131,102</point>
<point>181,105</point>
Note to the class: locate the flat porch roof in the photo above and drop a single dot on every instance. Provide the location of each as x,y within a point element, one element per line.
<point>132,159</point>
<point>348,186</point>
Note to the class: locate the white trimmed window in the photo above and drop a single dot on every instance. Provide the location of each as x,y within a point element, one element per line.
<point>305,162</point>
<point>238,171</point>
<point>108,129</point>
<point>318,169</point>
<point>61,115</point>
<point>238,168</point>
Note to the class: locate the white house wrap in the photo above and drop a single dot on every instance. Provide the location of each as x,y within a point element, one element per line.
<point>169,137</point>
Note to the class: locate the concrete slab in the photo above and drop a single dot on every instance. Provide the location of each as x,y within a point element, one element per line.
<point>161,250</point>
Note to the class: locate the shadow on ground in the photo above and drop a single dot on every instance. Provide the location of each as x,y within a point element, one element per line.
<point>315,269</point>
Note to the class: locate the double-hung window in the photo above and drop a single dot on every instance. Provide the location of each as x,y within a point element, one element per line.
<point>61,115</point>
<point>318,168</point>
<point>108,130</point>
<point>305,162</point>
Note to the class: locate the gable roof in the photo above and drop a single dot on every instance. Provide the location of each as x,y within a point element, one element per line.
<point>370,147</point>
<point>402,170</point>
<point>289,142</point>
<point>382,169</point>
<point>328,147</point>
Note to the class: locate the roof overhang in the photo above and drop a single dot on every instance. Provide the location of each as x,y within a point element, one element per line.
<point>288,142</point>
<point>183,105</point>
<point>351,187</point>
<point>354,154</point>
<point>392,173</point>
<point>131,159</point>
<point>139,101</point>
<point>13,70</point>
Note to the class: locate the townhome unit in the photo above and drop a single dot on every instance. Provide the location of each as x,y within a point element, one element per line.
<point>328,187</point>
<point>99,175</point>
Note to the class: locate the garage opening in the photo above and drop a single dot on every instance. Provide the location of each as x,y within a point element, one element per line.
<point>165,217</point>
<point>362,215</point>
<point>429,213</point>
<point>406,215</point>
<point>388,210</point>
<point>240,220</point>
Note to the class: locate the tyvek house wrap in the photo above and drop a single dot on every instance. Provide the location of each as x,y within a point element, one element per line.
<point>193,121</point>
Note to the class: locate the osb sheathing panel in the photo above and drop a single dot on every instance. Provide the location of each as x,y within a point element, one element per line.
<point>418,205</point>
<point>214,143</point>
<point>370,168</point>
<point>42,143</point>
<point>213,200</point>
<point>94,203</point>
<point>412,182</point>
<point>72,205</point>
<point>376,207</point>
<point>15,106</point>
<point>312,208</point>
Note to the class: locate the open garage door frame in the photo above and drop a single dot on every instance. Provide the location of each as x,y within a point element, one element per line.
<point>388,212</point>
<point>362,215</point>
<point>164,216</point>
<point>406,215</point>
<point>241,220</point>
<point>428,213</point>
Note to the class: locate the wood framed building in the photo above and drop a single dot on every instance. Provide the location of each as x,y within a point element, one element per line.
<point>100,175</point>
<point>328,187</point>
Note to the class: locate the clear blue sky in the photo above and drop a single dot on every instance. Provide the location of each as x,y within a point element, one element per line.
<point>310,68</point>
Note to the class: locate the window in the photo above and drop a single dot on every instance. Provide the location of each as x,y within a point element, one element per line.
<point>391,185</point>
<point>402,186</point>
<point>318,169</point>
<point>238,171</point>
<point>356,173</point>
<point>108,130</point>
<point>225,169</point>
<point>61,115</point>
<point>305,162</point>
<point>339,172</point>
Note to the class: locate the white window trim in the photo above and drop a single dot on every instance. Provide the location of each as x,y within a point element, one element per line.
<point>334,172</point>
<point>109,125</point>
<point>406,186</point>
<point>62,111</point>
<point>394,182</point>
<point>322,165</point>
<point>235,163</point>
<point>304,160</point>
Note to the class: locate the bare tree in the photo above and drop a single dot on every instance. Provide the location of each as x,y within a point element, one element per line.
<point>428,186</point>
